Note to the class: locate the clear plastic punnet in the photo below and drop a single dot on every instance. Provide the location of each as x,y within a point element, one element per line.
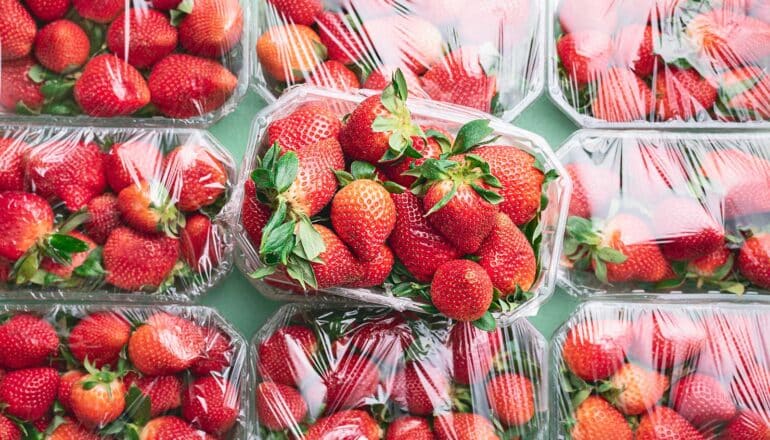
<point>654,212</point>
<point>307,232</point>
<point>112,213</point>
<point>368,373</point>
<point>121,62</point>
<point>74,371</point>
<point>488,55</point>
<point>673,63</point>
<point>650,370</point>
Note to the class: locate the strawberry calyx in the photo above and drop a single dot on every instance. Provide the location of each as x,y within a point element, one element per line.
<point>721,277</point>
<point>585,247</point>
<point>365,171</point>
<point>184,8</point>
<point>399,124</point>
<point>103,377</point>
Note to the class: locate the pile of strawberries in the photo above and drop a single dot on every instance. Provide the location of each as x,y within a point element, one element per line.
<point>126,373</point>
<point>175,58</point>
<point>665,60</point>
<point>94,210</point>
<point>447,51</point>
<point>374,374</point>
<point>665,213</point>
<point>379,198</point>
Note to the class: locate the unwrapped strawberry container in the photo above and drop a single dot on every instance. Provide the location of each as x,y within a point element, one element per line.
<point>373,373</point>
<point>489,57</point>
<point>139,371</point>
<point>680,63</point>
<point>154,63</point>
<point>112,213</point>
<point>656,212</point>
<point>402,268</point>
<point>638,369</point>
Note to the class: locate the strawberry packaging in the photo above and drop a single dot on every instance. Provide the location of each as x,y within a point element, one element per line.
<point>488,57</point>
<point>655,212</point>
<point>373,373</point>
<point>96,213</point>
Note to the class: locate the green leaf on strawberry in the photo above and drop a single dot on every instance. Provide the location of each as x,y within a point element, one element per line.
<point>399,123</point>
<point>486,322</point>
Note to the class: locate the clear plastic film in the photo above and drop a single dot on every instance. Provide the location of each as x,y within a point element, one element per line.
<point>112,213</point>
<point>101,372</point>
<point>488,57</point>
<point>371,373</point>
<point>678,63</point>
<point>657,212</point>
<point>147,63</point>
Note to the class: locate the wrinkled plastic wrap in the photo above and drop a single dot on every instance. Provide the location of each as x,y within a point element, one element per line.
<point>148,63</point>
<point>661,212</point>
<point>401,289</point>
<point>98,372</point>
<point>488,56</point>
<point>372,373</point>
<point>100,213</point>
<point>684,63</point>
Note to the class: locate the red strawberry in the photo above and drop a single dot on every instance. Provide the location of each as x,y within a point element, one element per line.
<point>340,267</point>
<point>148,208</point>
<point>279,407</point>
<point>430,149</point>
<point>48,10</point>
<point>135,261</point>
<point>342,42</point>
<point>99,339</point>
<point>422,389</point>
<point>460,78</point>
<point>19,90</point>
<point>638,389</point>
<point>62,46</point>
<point>212,404</point>
<point>12,153</point>
<point>217,354</point>
<point>284,357</point>
<point>69,430</point>
<point>77,259</point>
<point>595,418</point>
<point>172,428</point>
<point>104,217</point>
<point>462,290</point>
<point>634,49</point>
<point>29,393</point>
<point>345,424</point>
<point>100,11</point>
<point>17,31</point>
<point>142,37</point>
<point>621,96</point>
<point>26,341</point>
<point>305,126</point>
<point>165,344</point>
<point>665,340</point>
<point>97,399</point>
<point>111,87</point>
<point>8,429</point>
<point>66,382</point>
<point>593,188</point>
<point>473,352</point>
<point>254,214</point>
<point>213,28</point>
<point>409,428</point>
<point>754,260</point>
<point>729,347</point>
<point>377,270</point>
<point>508,257</point>
<point>298,11</point>
<point>683,94</point>
<point>334,75</point>
<point>464,426</point>
<point>24,219</point>
<point>405,40</point>
<point>346,370</point>
<point>512,399</point>
<point>577,15</point>
<point>702,400</point>
<point>685,229</point>
<point>747,425</point>
<point>132,162</point>
<point>664,422</point>
<point>165,5</point>
<point>195,176</point>
<point>595,350</point>
<point>201,244</point>
<point>585,55</point>
<point>381,77</point>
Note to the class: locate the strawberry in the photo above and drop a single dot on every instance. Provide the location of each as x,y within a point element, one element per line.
<point>345,424</point>
<point>422,389</point>
<point>70,430</point>
<point>24,219</point>
<point>305,126</point>
<point>754,260</point>
<point>702,400</point>
<point>185,86</point>
<point>98,398</point>
<point>289,52</point>
<point>299,12</point>
<point>77,260</point>
<point>664,340</point>
<point>201,245</point>
<point>66,382</point>
<point>683,94</point>
<point>62,46</point>
<point>729,347</point>
<point>212,404</point>
<point>284,357</point>
<point>349,369</point>
<point>429,148</point>
<point>405,40</point>
<point>148,208</point>
<point>584,55</point>
<point>747,425</point>
<point>633,47</point>
<point>17,31</point>
<point>512,400</point>
<point>508,257</point>
<point>376,270</point>
<point>380,78</point>
<point>334,75</point>
<point>461,78</point>
<point>127,271</point>
<point>12,164</point>
<point>725,36</point>
<point>104,217</point>
<point>621,96</point>
<point>29,393</point>
<point>8,429</point>
<point>638,389</point>
<point>142,37</point>
<point>342,42</point>
<point>745,91</point>
<point>48,10</point>
<point>100,11</point>
<point>595,418</point>
<point>172,428</point>
<point>685,229</point>
<point>595,350</point>
<point>650,172</point>
<point>339,267</point>
<point>279,407</point>
<point>165,344</point>
<point>473,352</point>
<point>462,290</point>
<point>749,387</point>
<point>254,214</point>
<point>578,15</point>
<point>664,422</point>
<point>166,5</point>
<point>195,176</point>
<point>743,178</point>
<point>99,339</point>
<point>464,426</point>
<point>385,338</point>
<point>163,392</point>
<point>132,162</point>
<point>217,354</point>
<point>26,341</point>
<point>409,428</point>
<point>111,87</point>
<point>593,188</point>
<point>212,29</point>
<point>19,91</point>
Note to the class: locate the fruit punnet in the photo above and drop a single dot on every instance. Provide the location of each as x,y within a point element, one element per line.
<point>638,369</point>
<point>81,372</point>
<point>373,373</point>
<point>112,210</point>
<point>483,57</point>
<point>667,213</point>
<point>372,199</point>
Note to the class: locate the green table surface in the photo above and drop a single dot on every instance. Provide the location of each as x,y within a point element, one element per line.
<point>248,310</point>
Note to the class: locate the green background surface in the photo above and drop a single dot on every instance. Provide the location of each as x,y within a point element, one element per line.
<point>248,310</point>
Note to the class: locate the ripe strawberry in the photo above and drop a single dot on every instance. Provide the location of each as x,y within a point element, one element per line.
<point>48,10</point>
<point>289,52</point>
<point>212,29</point>
<point>749,386</point>
<point>595,350</point>
<point>633,47</point>
<point>8,429</point>
<point>19,90</point>
<point>111,87</point>
<point>405,40</point>
<point>103,217</point>
<point>132,162</point>
<point>217,354</point>
<point>349,369</point>
<point>163,392</point>
<point>639,389</point>
<point>201,244</point>
<point>305,126</point>
<point>184,86</point>
<point>212,404</point>
<point>429,148</point>
<point>70,430</point>
<point>345,424</point>
<point>299,12</point>
<point>464,426</point>
<point>17,31</point>
<point>165,5</point>
<point>664,422</point>
<point>77,259</point>
<point>12,153</point>
<point>595,418</point>
<point>729,347</point>
<point>747,425</point>
<point>409,428</point>
<point>165,344</point>
<point>284,357</point>
<point>512,399</point>
<point>98,398</point>
<point>172,428</point>
<point>578,15</point>
<point>100,11</point>
<point>422,389</point>
<point>254,214</point>
<point>376,270</point>
<point>584,55</point>
<point>462,290</point>
<point>685,229</point>
<point>334,75</point>
<point>5,270</point>
<point>66,382</point>
<point>62,46</point>
<point>141,37</point>
<point>754,260</point>
<point>24,219</point>
<point>29,393</point>
<point>665,340</point>
<point>461,78</point>
<point>702,400</point>
<point>508,257</point>
<point>26,341</point>
<point>279,407</point>
<point>745,93</point>
<point>381,76</point>
<point>340,267</point>
<point>683,94</point>
<point>136,261</point>
<point>99,338</point>
<point>195,176</point>
<point>342,42</point>
<point>148,208</point>
<point>621,96</point>
<point>473,352</point>
<point>593,188</point>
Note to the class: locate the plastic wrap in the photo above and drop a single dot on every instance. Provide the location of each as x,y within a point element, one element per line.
<point>370,373</point>
<point>99,213</point>
<point>147,63</point>
<point>685,63</point>
<point>402,289</point>
<point>97,372</point>
<point>489,56</point>
<point>660,212</point>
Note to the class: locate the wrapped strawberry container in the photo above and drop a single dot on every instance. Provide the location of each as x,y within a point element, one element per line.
<point>488,56</point>
<point>655,212</point>
<point>369,373</point>
<point>682,63</point>
<point>148,63</point>
<point>96,372</point>
<point>98,213</point>
<point>316,217</point>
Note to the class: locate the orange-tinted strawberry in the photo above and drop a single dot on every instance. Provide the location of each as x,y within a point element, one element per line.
<point>577,15</point>
<point>284,357</point>
<point>70,430</point>
<point>12,153</point>
<point>99,338</point>
<point>747,425</point>
<point>298,11</point>
<point>460,78</point>
<point>621,96</point>
<point>194,176</point>
<point>593,188</point>
<point>595,350</point>
<point>376,270</point>
<point>8,429</point>
<point>77,259</point>
<point>104,217</point>
<point>753,260</point>
<point>163,392</point>
<point>147,208</point>
<point>353,423</point>
<point>683,94</point>
<point>19,90</point>
<point>62,46</point>
<point>342,42</point>
<point>100,11</point>
<point>132,162</point>
<point>24,219</point>
<point>66,382</point>
<point>254,214</point>
<point>290,52</point>
<point>213,28</point>
<point>217,354</point>
<point>702,400</point>
<point>165,344</point>
<point>595,418</point>
<point>142,37</point>
<point>664,340</point>
<point>201,246</point>
<point>279,407</point>
<point>48,10</point>
<point>26,341</point>
<point>111,87</point>
<point>409,428</point>
<point>512,399</point>
<point>633,47</point>
<point>664,422</point>
<point>98,398</point>
<point>29,393</point>
<point>584,55</point>
<point>334,75</point>
<point>135,261</point>
<point>462,290</point>
<point>211,403</point>
<point>729,37</point>
<point>305,126</point>
<point>685,229</point>
<point>508,257</point>
<point>172,428</point>
<point>464,426</point>
<point>421,388</point>
<point>17,31</point>
<point>346,370</point>
<point>639,389</point>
